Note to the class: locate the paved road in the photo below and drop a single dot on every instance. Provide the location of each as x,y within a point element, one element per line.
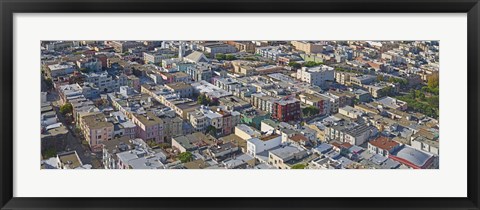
<point>74,140</point>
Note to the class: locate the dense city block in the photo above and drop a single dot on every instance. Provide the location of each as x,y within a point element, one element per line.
<point>239,104</point>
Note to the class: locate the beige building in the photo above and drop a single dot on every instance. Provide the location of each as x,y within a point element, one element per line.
<point>182,89</point>
<point>172,127</point>
<point>307,47</point>
<point>246,132</point>
<point>96,128</point>
<point>320,130</point>
<point>286,156</point>
<point>343,78</point>
<point>243,46</point>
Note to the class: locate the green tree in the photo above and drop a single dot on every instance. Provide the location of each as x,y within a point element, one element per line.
<point>433,101</point>
<point>211,130</point>
<point>294,65</point>
<point>66,108</point>
<point>220,56</point>
<point>425,89</point>
<point>230,57</point>
<point>312,64</point>
<point>387,91</point>
<point>420,95</point>
<point>356,101</point>
<point>49,153</point>
<point>202,99</point>
<point>433,81</point>
<point>49,83</point>
<point>428,107</point>
<point>380,77</point>
<point>391,80</point>
<point>413,94</point>
<point>310,111</point>
<point>299,166</point>
<point>434,91</point>
<point>403,82</point>
<point>185,157</point>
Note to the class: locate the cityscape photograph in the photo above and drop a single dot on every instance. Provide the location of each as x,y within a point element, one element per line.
<point>250,104</point>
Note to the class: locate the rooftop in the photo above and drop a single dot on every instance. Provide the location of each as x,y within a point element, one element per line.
<point>70,160</point>
<point>59,66</point>
<point>178,86</point>
<point>269,137</point>
<point>196,164</point>
<point>385,143</point>
<point>149,119</point>
<point>118,145</point>
<point>323,148</point>
<point>412,157</point>
<point>96,121</point>
<point>194,140</point>
<point>247,129</point>
<point>285,152</point>
<point>391,102</point>
<point>320,68</point>
<point>299,138</point>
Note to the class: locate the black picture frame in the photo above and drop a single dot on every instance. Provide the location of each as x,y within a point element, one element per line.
<point>9,7</point>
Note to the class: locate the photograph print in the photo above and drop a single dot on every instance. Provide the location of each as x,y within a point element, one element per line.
<point>250,104</point>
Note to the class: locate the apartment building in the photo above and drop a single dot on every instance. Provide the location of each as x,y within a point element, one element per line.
<point>320,75</point>
<point>307,47</point>
<point>96,129</point>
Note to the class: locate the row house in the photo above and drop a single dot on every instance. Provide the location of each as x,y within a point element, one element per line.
<point>149,127</point>
<point>318,101</point>
<point>352,133</point>
<point>96,129</point>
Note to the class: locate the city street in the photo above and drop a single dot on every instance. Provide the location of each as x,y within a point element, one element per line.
<point>74,140</point>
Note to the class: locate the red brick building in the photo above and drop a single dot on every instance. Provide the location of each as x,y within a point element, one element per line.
<point>286,110</point>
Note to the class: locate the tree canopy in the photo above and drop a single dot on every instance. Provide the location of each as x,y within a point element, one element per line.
<point>185,157</point>
<point>299,166</point>
<point>49,153</point>
<point>230,57</point>
<point>387,91</point>
<point>204,100</point>
<point>433,81</point>
<point>49,83</point>
<point>66,108</point>
<point>312,64</point>
<point>310,111</point>
<point>211,130</point>
<point>418,101</point>
<point>221,56</point>
<point>294,65</point>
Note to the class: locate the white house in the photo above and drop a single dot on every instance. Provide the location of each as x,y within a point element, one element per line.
<point>258,145</point>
